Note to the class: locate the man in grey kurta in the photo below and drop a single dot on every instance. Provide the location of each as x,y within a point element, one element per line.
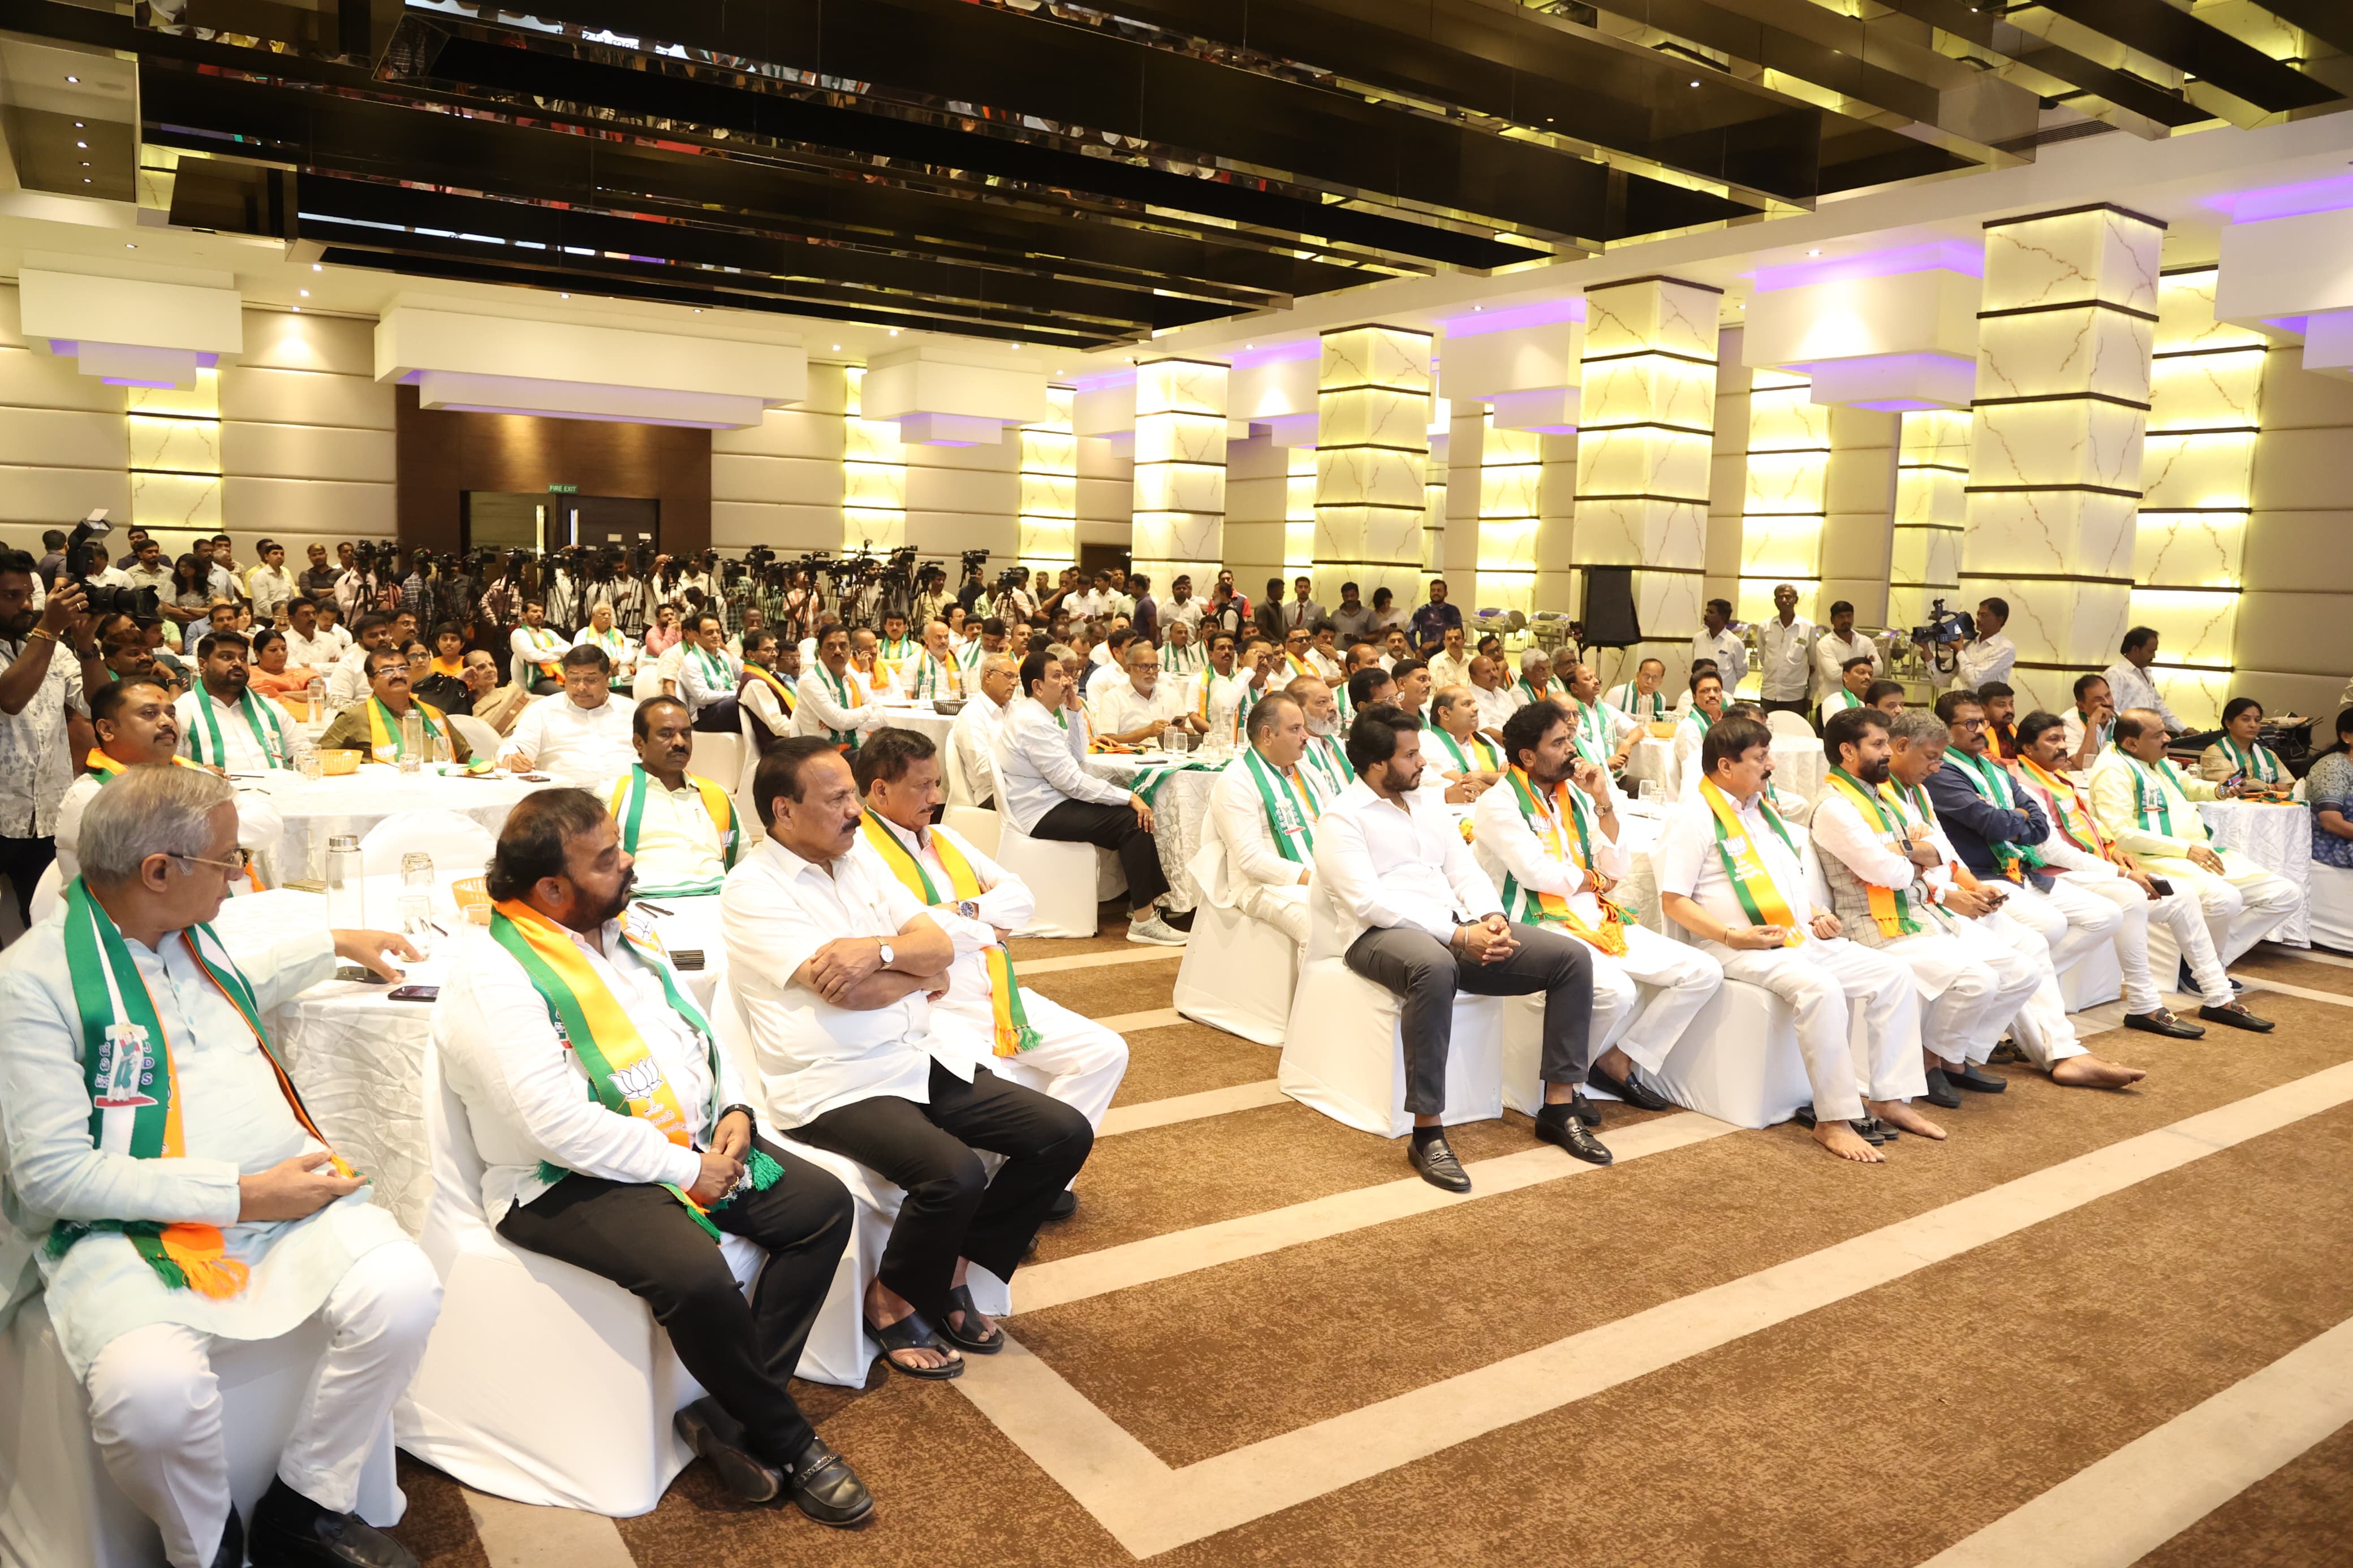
<point>158,848</point>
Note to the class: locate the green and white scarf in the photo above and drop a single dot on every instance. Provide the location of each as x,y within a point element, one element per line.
<point>2256,761</point>
<point>1290,807</point>
<point>1992,783</point>
<point>204,735</point>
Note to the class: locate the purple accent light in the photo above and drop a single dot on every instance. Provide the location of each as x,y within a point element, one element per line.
<point>1937,255</point>
<point>2286,200</point>
<point>126,381</point>
<point>1278,353</point>
<point>1900,406</point>
<point>1507,318</point>
<point>1110,379</point>
<point>65,347</point>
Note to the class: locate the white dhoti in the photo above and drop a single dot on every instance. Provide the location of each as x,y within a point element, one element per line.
<point>1076,1061</point>
<point>2020,962</point>
<point>1969,990</point>
<point>156,1408</point>
<point>2180,913</point>
<point>2244,889</point>
<point>1285,909</point>
<point>1824,982</point>
<point>2072,920</point>
<point>2043,1029</point>
<point>1643,1001</point>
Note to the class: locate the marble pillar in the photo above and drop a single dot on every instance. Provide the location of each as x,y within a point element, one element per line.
<point>173,435</point>
<point>1783,506</point>
<point>2197,473</point>
<point>1646,438</point>
<point>1373,399</point>
<point>1932,513</point>
<point>874,478</point>
<point>2062,406</point>
<point>1180,469</point>
<point>1046,531</point>
<point>1510,517</point>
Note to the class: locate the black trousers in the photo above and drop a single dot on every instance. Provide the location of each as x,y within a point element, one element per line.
<point>953,1210</point>
<point>1427,973</point>
<point>1111,828</point>
<point>22,862</point>
<point>642,1240</point>
<point>721,718</point>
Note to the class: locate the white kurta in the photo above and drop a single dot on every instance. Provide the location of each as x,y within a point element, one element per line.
<point>237,1123</point>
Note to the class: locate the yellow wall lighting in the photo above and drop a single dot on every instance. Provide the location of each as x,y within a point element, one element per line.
<point>1048,523</point>
<point>873,477</point>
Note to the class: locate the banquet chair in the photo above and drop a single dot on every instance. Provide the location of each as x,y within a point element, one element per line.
<point>482,740</point>
<point>1062,876</point>
<point>839,1350</point>
<point>63,1506</point>
<point>717,757</point>
<point>1343,1054</point>
<point>740,787</point>
<point>980,825</point>
<point>1783,723</point>
<point>458,843</point>
<point>541,1382</point>
<point>48,892</point>
<point>1238,973</point>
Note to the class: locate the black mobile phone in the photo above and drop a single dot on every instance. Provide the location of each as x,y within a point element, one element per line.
<point>413,994</point>
<point>2164,888</point>
<point>354,973</point>
<point>687,958</point>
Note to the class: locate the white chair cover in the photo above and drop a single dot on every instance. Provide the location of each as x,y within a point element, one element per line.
<point>1063,876</point>
<point>460,846</point>
<point>62,1505</point>
<point>2332,907</point>
<point>719,758</point>
<point>1238,973</point>
<point>48,892</point>
<point>1783,723</point>
<point>482,740</point>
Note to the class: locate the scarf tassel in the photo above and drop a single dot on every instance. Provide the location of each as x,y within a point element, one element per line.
<point>184,1256</point>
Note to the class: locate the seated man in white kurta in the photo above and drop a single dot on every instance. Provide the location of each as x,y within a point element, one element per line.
<point>1326,752</point>
<point>835,700</point>
<point>223,722</point>
<point>1037,1041</point>
<point>135,722</point>
<point>2145,804</point>
<point>1135,711</point>
<point>1547,836</point>
<point>176,1195</point>
<point>1265,805</point>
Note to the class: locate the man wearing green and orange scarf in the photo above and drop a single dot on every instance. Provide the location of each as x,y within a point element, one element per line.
<point>177,1197</point>
<point>374,726</point>
<point>613,1137</point>
<point>1037,1041</point>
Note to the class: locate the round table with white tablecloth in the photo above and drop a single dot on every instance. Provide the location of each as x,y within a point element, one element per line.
<point>2276,838</point>
<point>921,717</point>
<point>1799,766</point>
<point>315,809</point>
<point>1176,787</point>
<point>358,1056</point>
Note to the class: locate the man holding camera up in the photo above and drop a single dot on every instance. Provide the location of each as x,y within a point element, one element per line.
<point>41,704</point>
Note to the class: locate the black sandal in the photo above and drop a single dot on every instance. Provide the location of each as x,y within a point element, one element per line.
<point>911,1334</point>
<point>960,1300</point>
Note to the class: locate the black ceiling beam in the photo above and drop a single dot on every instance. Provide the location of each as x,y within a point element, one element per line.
<point>2200,48</point>
<point>2145,99</point>
<point>2330,21</point>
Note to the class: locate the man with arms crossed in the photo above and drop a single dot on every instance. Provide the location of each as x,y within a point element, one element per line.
<point>836,970</point>
<point>1549,836</point>
<point>1417,916</point>
<point>1730,873</point>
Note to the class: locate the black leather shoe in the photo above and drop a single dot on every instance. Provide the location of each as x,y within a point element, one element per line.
<point>718,1436</point>
<point>826,1488</point>
<point>2235,1015</point>
<point>1584,1109</point>
<point>2163,1022</point>
<point>289,1530</point>
<point>1876,1130</point>
<point>1629,1088</point>
<point>1974,1076</point>
<point>2186,982</point>
<point>1941,1090</point>
<point>231,1553</point>
<point>1066,1203</point>
<point>1437,1164</point>
<point>1571,1133</point>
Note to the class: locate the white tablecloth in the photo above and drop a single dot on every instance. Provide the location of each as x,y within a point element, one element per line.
<point>2276,838</point>
<point>1179,808</point>
<point>926,718</point>
<point>358,1057</point>
<point>313,810</point>
<point>1798,766</point>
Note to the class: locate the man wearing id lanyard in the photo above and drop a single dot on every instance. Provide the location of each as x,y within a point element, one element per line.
<point>222,723</point>
<point>615,1136</point>
<point>1729,872</point>
<point>178,1198</point>
<point>1265,805</point>
<point>1547,836</point>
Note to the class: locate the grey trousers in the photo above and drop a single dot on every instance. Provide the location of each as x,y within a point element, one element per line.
<point>1427,973</point>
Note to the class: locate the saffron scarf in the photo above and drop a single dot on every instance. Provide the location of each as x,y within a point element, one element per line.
<point>1290,807</point>
<point>1490,756</point>
<point>108,769</point>
<point>1553,691</point>
<point>623,1075</point>
<point>1890,907</point>
<point>628,808</point>
<point>260,717</point>
<point>1545,818</point>
<point>547,649</point>
<point>134,1087</point>
<point>384,730</point>
<point>786,697</point>
<point>2075,822</point>
<point>1986,776</point>
<point>1011,1033</point>
<point>931,682</point>
<point>1744,864</point>
<point>846,738</point>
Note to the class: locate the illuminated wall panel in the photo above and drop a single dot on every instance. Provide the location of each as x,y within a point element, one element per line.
<point>1932,473</point>
<point>174,439</point>
<point>1645,447</point>
<point>1510,493</point>
<point>874,478</point>
<point>2062,406</point>
<point>1049,488</point>
<point>1782,508</point>
<point>1299,509</point>
<point>1372,456</point>
<point>1180,468</point>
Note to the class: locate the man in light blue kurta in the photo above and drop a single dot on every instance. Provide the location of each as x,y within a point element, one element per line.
<point>158,848</point>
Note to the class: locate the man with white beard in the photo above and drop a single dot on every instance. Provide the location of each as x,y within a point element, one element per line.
<point>1324,752</point>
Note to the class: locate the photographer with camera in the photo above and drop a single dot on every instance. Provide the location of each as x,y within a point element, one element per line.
<point>42,700</point>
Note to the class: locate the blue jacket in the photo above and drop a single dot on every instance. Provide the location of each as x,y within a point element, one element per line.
<point>1969,819</point>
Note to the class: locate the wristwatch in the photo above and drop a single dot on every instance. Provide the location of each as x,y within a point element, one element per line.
<point>882,946</point>
<point>969,909</point>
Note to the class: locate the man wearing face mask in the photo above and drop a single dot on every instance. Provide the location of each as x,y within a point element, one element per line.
<point>576,1170</point>
<point>135,723</point>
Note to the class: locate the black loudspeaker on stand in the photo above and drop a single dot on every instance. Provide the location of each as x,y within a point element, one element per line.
<point>1610,620</point>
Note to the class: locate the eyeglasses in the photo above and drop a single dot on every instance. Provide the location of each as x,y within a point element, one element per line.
<point>1969,724</point>
<point>236,868</point>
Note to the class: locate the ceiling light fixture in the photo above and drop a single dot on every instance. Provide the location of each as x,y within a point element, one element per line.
<point>85,179</point>
<point>73,78</point>
<point>82,145</point>
<point>316,267</point>
<point>837,348</point>
<point>304,292</point>
<point>298,309</point>
<point>1694,83</point>
<point>894,331</point>
<point>1816,251</point>
<point>77,125</point>
<point>567,296</point>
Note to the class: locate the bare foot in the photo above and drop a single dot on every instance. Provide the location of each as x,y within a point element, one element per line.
<point>884,1307</point>
<point>1843,1139</point>
<point>2091,1072</point>
<point>1896,1113</point>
